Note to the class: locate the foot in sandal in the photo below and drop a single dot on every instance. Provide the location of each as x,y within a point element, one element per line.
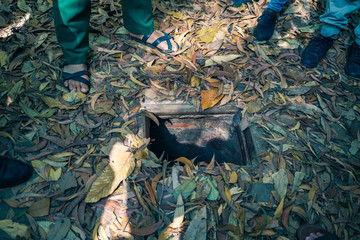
<point>76,77</point>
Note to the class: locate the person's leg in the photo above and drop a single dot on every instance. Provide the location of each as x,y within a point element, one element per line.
<point>352,67</point>
<point>276,5</point>
<point>71,18</point>
<point>357,34</point>
<point>267,21</point>
<point>334,20</point>
<point>139,19</point>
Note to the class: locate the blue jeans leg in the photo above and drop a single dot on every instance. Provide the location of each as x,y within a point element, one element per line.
<point>277,5</point>
<point>335,17</point>
<point>357,34</point>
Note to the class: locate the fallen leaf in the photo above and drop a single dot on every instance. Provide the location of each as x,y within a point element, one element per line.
<point>121,165</point>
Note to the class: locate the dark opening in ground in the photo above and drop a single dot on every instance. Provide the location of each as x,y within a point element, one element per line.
<point>200,137</point>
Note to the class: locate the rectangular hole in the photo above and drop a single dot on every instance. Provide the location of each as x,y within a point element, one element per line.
<point>200,137</point>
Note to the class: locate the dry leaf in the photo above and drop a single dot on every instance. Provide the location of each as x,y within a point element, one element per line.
<point>209,99</point>
<point>121,165</point>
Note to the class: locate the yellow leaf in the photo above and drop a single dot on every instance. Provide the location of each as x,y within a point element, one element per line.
<point>39,167</point>
<point>227,167</point>
<point>296,127</point>
<point>274,139</point>
<point>166,233</point>
<point>312,193</point>
<point>53,103</point>
<point>136,81</point>
<point>69,98</point>
<point>228,194</point>
<point>209,99</point>
<point>207,34</point>
<point>176,14</point>
<point>55,175</point>
<point>349,188</point>
<point>251,98</point>
<point>43,85</point>
<point>188,171</point>
<point>233,177</point>
<point>13,229</point>
<point>96,230</point>
<point>300,211</point>
<point>121,165</point>
<point>185,161</point>
<point>94,99</point>
<point>211,164</point>
<point>141,200</point>
<point>279,209</point>
<point>194,81</point>
<point>282,97</point>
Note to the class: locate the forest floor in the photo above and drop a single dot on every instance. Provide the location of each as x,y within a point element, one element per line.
<point>310,119</point>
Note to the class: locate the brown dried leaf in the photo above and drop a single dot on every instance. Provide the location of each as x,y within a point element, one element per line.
<point>121,165</point>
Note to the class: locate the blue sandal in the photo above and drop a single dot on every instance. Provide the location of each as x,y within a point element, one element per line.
<point>155,43</point>
<point>77,77</point>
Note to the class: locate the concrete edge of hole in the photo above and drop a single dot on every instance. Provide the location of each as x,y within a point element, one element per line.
<point>179,109</point>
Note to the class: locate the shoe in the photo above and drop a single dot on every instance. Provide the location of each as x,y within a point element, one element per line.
<point>315,51</point>
<point>155,43</point>
<point>307,229</point>
<point>266,25</point>
<point>13,172</point>
<point>352,67</point>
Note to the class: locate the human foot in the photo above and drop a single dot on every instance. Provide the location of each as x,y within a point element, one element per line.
<point>76,77</point>
<point>266,25</point>
<point>158,39</point>
<point>315,51</point>
<point>352,67</point>
<point>313,236</point>
<point>311,232</point>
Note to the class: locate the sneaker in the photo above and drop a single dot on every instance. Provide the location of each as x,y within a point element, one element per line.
<point>352,67</point>
<point>266,25</point>
<point>13,172</point>
<point>315,51</point>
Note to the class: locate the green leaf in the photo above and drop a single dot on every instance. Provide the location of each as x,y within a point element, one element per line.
<point>299,176</point>
<point>23,6</point>
<point>197,228</point>
<point>280,182</point>
<point>28,111</point>
<point>3,58</point>
<point>27,67</point>
<point>46,113</point>
<point>355,147</point>
<point>185,189</point>
<point>41,39</point>
<point>214,193</point>
<point>15,91</point>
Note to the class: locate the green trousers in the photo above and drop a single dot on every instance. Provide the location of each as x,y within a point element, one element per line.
<point>72,18</point>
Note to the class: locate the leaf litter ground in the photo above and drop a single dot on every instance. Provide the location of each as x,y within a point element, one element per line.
<point>95,177</point>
